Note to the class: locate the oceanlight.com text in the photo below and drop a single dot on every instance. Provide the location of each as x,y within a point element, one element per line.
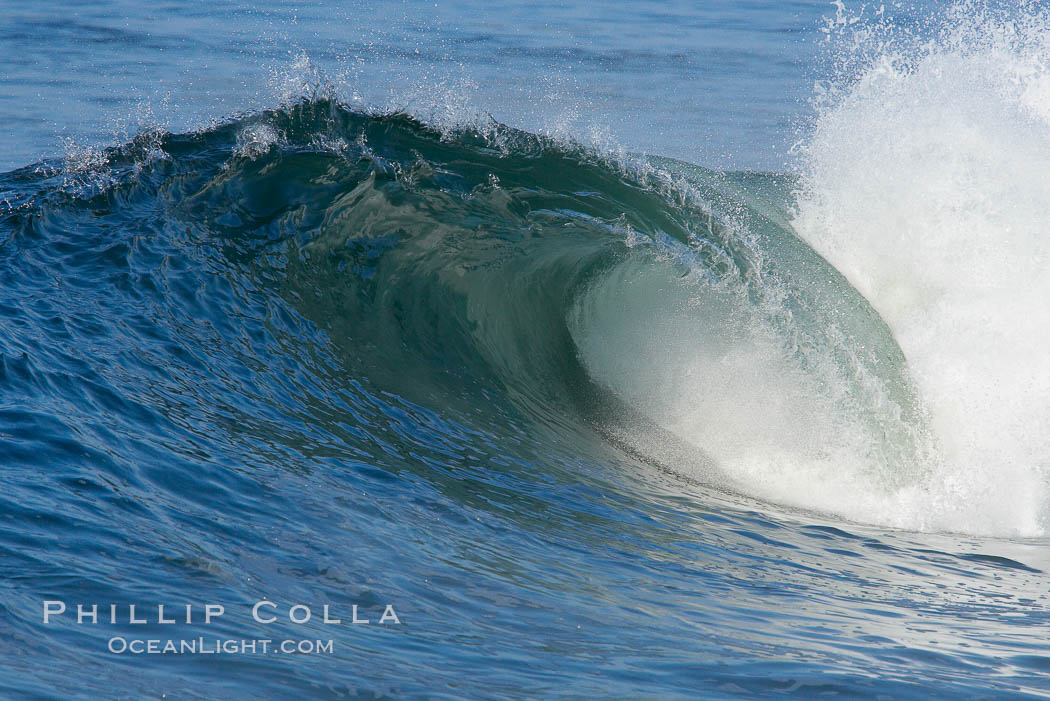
<point>214,646</point>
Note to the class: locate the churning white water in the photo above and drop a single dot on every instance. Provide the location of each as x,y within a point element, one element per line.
<point>926,184</point>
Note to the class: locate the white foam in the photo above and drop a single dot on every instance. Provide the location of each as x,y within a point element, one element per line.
<point>927,184</point>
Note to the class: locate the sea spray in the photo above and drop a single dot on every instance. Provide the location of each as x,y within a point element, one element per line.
<point>925,184</point>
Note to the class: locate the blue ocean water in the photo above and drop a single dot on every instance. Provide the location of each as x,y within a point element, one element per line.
<point>728,77</point>
<point>649,350</point>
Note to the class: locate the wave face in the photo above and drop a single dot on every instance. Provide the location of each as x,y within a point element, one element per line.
<point>666,307</point>
<point>651,306</point>
<point>504,376</point>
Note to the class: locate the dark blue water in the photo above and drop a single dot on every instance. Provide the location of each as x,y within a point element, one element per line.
<point>382,309</point>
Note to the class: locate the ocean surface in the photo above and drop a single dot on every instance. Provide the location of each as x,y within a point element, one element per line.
<point>612,350</point>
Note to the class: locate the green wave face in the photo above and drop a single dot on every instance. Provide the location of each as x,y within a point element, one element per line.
<point>525,287</point>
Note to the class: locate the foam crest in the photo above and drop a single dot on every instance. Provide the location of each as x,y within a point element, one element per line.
<point>926,185</point>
